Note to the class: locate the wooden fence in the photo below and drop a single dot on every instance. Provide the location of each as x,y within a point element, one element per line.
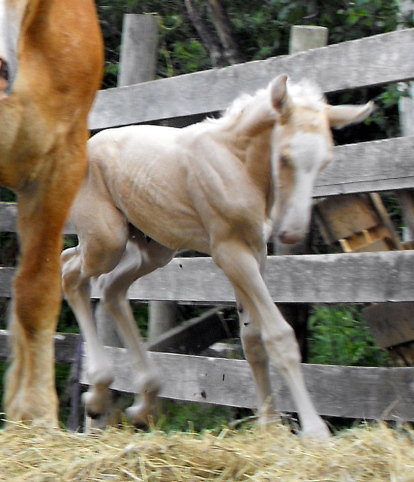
<point>335,278</point>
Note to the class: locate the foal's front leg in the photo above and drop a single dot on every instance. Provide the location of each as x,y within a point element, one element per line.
<point>256,356</point>
<point>242,267</point>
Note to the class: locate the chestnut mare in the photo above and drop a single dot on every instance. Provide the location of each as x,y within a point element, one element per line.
<point>51,57</point>
<point>220,187</point>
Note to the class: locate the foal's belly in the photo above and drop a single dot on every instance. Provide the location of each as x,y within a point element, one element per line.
<point>172,226</point>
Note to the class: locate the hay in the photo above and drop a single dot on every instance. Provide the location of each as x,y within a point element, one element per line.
<point>371,453</point>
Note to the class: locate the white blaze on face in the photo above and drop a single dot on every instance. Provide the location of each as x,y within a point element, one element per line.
<point>308,155</point>
<point>308,152</point>
<point>11,15</point>
<point>3,31</point>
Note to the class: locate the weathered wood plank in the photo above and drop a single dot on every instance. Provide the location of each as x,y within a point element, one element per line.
<point>390,325</point>
<point>331,278</point>
<point>355,392</point>
<point>8,219</point>
<point>336,67</point>
<point>66,345</point>
<point>364,167</point>
<point>384,165</point>
<point>335,278</point>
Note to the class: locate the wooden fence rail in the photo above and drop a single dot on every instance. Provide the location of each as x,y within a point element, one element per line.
<point>369,61</point>
<point>337,278</point>
<point>330,278</point>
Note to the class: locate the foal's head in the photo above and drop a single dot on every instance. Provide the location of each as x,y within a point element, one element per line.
<point>301,147</point>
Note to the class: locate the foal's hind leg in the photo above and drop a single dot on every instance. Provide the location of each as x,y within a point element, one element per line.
<point>99,372</point>
<point>102,243</point>
<point>141,257</point>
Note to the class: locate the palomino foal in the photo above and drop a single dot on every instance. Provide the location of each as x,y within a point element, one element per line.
<point>53,53</point>
<point>219,187</point>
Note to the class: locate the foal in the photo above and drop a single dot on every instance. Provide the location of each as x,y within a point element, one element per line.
<point>220,187</point>
<point>52,51</point>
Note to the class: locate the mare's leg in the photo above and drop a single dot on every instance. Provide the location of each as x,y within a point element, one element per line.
<point>30,388</point>
<point>242,267</point>
<point>103,237</point>
<point>141,257</point>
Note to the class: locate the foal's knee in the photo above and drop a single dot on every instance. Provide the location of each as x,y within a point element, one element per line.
<point>253,346</point>
<point>282,347</point>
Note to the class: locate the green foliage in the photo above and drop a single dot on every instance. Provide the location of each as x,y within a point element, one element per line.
<point>193,417</point>
<point>339,336</point>
<point>261,28</point>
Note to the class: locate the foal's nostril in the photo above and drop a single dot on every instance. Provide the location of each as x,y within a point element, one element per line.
<point>4,70</point>
<point>4,78</point>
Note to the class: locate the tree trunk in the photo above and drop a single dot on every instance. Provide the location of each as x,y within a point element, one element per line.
<point>225,31</point>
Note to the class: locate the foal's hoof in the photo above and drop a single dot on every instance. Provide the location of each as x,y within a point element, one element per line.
<point>321,432</point>
<point>139,415</point>
<point>97,404</point>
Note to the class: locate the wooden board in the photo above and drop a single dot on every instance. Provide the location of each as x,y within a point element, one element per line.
<point>330,278</point>
<point>356,223</point>
<point>390,324</point>
<point>356,392</point>
<point>342,216</point>
<point>334,68</point>
<point>66,345</point>
<point>8,219</point>
<point>368,167</point>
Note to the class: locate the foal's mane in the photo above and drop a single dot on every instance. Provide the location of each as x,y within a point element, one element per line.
<point>304,93</point>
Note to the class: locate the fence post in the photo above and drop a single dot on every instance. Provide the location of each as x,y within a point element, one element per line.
<point>304,37</point>
<point>138,49</point>
<point>162,316</point>
<point>301,38</point>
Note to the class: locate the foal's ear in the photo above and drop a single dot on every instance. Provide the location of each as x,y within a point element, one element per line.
<point>278,93</point>
<point>342,115</point>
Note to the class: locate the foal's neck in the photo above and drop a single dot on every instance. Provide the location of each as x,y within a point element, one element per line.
<point>251,140</point>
